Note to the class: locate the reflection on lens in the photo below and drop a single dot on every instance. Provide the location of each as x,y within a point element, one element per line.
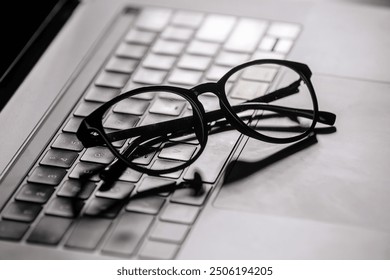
<point>159,141</point>
<point>277,95</point>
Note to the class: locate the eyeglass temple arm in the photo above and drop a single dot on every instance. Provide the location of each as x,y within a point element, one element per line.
<point>115,169</point>
<point>153,130</point>
<point>279,93</point>
<point>169,126</point>
<point>323,116</point>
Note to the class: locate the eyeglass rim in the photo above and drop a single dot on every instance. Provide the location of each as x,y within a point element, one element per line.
<point>304,72</point>
<point>94,124</point>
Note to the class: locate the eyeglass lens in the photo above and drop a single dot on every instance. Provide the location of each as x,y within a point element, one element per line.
<point>272,86</point>
<point>154,108</point>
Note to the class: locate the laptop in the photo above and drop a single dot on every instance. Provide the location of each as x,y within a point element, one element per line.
<point>327,199</point>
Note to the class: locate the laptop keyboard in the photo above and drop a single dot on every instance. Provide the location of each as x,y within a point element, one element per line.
<point>54,206</point>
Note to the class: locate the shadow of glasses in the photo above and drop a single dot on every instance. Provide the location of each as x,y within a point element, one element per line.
<point>241,170</point>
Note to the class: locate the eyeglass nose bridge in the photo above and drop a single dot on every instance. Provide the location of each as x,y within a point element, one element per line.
<point>206,87</point>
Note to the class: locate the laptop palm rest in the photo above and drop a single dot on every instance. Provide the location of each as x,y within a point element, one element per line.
<point>314,198</point>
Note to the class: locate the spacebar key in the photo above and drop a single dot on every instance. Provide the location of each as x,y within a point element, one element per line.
<point>88,232</point>
<point>128,233</point>
<point>210,163</point>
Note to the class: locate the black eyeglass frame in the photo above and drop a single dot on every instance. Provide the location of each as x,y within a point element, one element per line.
<point>91,132</point>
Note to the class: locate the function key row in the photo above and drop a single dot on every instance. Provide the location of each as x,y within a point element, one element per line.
<point>213,28</point>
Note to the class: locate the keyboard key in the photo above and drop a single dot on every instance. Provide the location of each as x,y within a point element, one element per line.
<point>185,77</point>
<point>246,35</point>
<point>267,43</point>
<point>86,171</point>
<point>162,164</point>
<point>259,73</point>
<point>147,205</point>
<point>68,141</point>
<point>203,48</point>
<point>178,151</point>
<point>248,89</point>
<point>169,232</point>
<point>120,121</point>
<point>121,65</point>
<point>104,207</point>
<point>130,175</point>
<point>267,55</point>
<point>167,107</point>
<point>131,51</point>
<point>157,61</point>
<point>158,250</point>
<point>209,102</point>
<point>179,213</point>
<point>188,19</point>
<point>98,155</point>
<point>144,155</point>
<point>119,190</point>
<point>140,37</point>
<point>228,87</point>
<point>88,232</point>
<point>144,96</point>
<point>177,33</point>
<point>149,183</point>
<point>35,193</point>
<point>283,45</point>
<point>113,80</point>
<point>149,76</point>
<point>216,28</point>
<point>211,161</point>
<point>76,189</point>
<point>119,143</point>
<point>168,47</point>
<point>86,108</point>
<point>189,197</point>
<point>21,211</point>
<point>231,59</point>
<point>128,233</point>
<point>59,158</point>
<point>155,118</point>
<point>284,30</point>
<point>153,19</point>
<point>101,94</point>
<point>50,230</point>
<point>169,95</point>
<point>194,62</point>
<point>132,106</point>
<point>12,230</point>
<point>216,72</point>
<point>47,175</point>
<point>72,125</point>
<point>64,207</point>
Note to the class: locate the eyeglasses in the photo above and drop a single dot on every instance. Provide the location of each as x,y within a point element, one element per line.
<point>269,100</point>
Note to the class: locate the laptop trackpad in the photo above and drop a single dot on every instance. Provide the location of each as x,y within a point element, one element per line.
<point>341,179</point>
